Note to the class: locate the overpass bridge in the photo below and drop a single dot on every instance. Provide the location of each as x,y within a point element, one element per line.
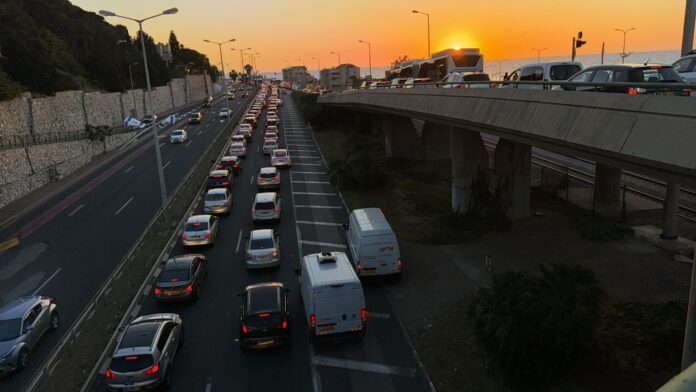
<point>648,134</point>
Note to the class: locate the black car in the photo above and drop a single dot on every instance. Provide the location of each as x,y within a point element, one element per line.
<point>231,163</point>
<point>208,102</point>
<point>196,118</point>
<point>181,278</point>
<point>265,320</point>
<point>219,179</point>
<point>628,73</point>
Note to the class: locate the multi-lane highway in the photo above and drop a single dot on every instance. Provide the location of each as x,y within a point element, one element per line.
<point>311,217</point>
<point>70,243</point>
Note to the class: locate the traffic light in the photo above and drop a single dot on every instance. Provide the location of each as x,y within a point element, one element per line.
<point>579,42</point>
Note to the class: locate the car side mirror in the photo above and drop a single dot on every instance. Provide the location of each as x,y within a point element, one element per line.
<point>345,226</point>
<point>28,328</point>
<point>297,271</point>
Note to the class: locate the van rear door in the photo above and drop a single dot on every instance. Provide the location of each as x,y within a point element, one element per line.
<point>338,309</point>
<point>378,255</point>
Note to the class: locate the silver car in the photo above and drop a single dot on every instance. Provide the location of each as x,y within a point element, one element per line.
<point>269,177</point>
<point>23,322</point>
<point>280,157</point>
<point>263,249</point>
<point>266,207</point>
<point>200,230</point>
<point>145,353</point>
<point>237,149</point>
<point>178,136</point>
<point>269,146</point>
<point>218,201</point>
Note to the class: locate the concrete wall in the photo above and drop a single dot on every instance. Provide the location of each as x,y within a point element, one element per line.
<point>178,90</point>
<point>103,109</point>
<point>14,116</point>
<point>195,88</point>
<point>61,113</point>
<point>127,101</point>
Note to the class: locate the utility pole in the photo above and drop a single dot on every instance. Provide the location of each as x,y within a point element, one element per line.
<point>130,73</point>
<point>689,20</point>
<point>539,53</point>
<point>623,54</point>
<point>224,79</point>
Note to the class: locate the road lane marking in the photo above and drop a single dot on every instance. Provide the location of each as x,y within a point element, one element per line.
<point>258,148</point>
<point>363,366</point>
<point>305,157</point>
<point>301,144</point>
<point>131,167</point>
<point>239,241</point>
<point>331,244</point>
<point>166,164</point>
<point>73,212</point>
<point>161,145</point>
<point>296,150</point>
<point>312,182</point>
<point>315,193</point>
<point>318,223</point>
<point>251,180</point>
<point>308,164</point>
<point>124,206</point>
<point>46,281</point>
<point>199,133</point>
<point>306,172</point>
<point>9,244</point>
<point>379,315</point>
<point>322,207</point>
<point>188,144</point>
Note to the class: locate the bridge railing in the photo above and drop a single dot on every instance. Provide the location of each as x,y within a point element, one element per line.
<point>633,88</point>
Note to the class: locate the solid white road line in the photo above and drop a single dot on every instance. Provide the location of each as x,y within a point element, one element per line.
<point>296,150</point>
<point>321,207</point>
<point>239,241</point>
<point>306,172</point>
<point>188,144</point>
<point>306,157</point>
<point>301,144</point>
<point>131,167</point>
<point>165,165</point>
<point>251,180</point>
<point>124,206</point>
<point>342,246</point>
<point>301,222</point>
<point>73,212</point>
<point>363,366</point>
<point>312,182</point>
<point>46,281</point>
<point>315,193</point>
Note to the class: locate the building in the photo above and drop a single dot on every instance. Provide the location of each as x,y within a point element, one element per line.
<point>339,78</point>
<point>297,75</point>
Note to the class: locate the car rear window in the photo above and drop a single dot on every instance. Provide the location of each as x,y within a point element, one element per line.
<point>215,197</point>
<point>197,226</point>
<point>261,243</point>
<point>267,175</point>
<point>655,75</point>
<point>263,299</point>
<point>563,72</point>
<point>177,133</point>
<point>280,154</point>
<point>269,143</point>
<point>131,363</point>
<point>263,320</point>
<point>264,205</point>
<point>175,275</point>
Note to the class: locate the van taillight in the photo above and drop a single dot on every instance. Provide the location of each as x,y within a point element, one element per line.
<point>188,289</point>
<point>312,320</point>
<point>363,314</point>
<point>158,290</point>
<point>244,329</point>
<point>285,324</point>
<point>207,235</point>
<point>399,264</point>
<point>358,267</point>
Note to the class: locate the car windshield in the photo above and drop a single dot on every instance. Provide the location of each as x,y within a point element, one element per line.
<point>197,226</point>
<point>177,133</point>
<point>10,329</point>
<point>131,363</point>
<point>261,243</point>
<point>175,275</point>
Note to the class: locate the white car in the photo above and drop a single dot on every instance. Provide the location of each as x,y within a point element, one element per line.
<point>239,139</point>
<point>178,136</point>
<point>237,149</point>
<point>686,66</point>
<point>269,146</point>
<point>266,207</point>
<point>263,249</point>
<point>200,230</point>
<point>268,177</point>
<point>280,157</point>
<point>225,113</point>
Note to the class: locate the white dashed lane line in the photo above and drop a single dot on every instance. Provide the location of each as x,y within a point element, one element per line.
<point>166,164</point>
<point>76,210</point>
<point>124,206</point>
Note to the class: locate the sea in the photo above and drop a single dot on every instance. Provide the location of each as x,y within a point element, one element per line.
<point>496,68</point>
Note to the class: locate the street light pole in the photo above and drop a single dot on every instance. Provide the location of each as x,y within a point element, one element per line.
<point>689,21</point>
<point>428,17</point>
<point>241,58</point>
<point>624,54</point>
<point>151,109</point>
<point>369,54</point>
<point>130,73</point>
<point>539,53</point>
<point>318,68</point>
<point>222,65</point>
<point>338,68</point>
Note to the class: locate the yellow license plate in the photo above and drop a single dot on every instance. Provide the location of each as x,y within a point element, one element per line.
<point>368,271</point>
<point>326,327</point>
<point>264,342</point>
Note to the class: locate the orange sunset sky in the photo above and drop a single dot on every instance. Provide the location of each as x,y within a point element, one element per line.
<point>289,32</point>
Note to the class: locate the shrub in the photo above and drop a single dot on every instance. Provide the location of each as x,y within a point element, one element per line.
<point>594,226</point>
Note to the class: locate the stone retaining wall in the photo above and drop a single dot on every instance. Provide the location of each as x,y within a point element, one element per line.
<point>62,113</point>
<point>103,109</point>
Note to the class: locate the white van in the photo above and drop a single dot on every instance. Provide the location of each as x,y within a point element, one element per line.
<point>539,72</point>
<point>332,295</point>
<point>372,243</point>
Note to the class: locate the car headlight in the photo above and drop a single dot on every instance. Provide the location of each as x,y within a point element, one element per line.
<point>5,356</point>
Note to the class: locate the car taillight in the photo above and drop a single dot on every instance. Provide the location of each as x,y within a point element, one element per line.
<point>264,314</point>
<point>109,374</point>
<point>312,320</point>
<point>188,289</point>
<point>273,159</point>
<point>275,253</point>
<point>158,290</point>
<point>183,237</point>
<point>253,210</point>
<point>152,370</point>
<point>244,329</point>
<point>363,314</point>
<point>358,267</point>
<point>207,235</point>
<point>284,324</point>
<point>276,209</point>
<point>225,183</point>
<point>636,90</point>
<point>277,178</point>
<point>399,264</point>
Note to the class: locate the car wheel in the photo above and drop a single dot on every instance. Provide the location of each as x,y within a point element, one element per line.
<point>22,359</point>
<point>55,321</point>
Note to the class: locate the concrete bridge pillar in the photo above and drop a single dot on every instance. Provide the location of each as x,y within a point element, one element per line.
<point>513,172</point>
<point>435,141</point>
<point>401,141</point>
<point>607,188</point>
<point>670,209</point>
<point>469,163</point>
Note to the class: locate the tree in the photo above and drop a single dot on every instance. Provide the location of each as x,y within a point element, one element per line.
<point>174,44</point>
<point>233,75</point>
<point>248,68</point>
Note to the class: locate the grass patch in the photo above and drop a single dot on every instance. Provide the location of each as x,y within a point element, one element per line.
<point>594,226</point>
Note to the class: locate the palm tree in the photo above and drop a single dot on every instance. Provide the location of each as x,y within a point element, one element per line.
<point>248,68</point>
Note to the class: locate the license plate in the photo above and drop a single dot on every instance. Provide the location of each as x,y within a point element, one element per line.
<point>368,271</point>
<point>172,292</point>
<point>668,93</point>
<point>264,342</point>
<point>326,327</point>
<point>129,389</point>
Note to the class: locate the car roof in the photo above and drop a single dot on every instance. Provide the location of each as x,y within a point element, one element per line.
<point>328,273</point>
<point>261,234</point>
<point>198,218</point>
<point>371,222</point>
<point>217,191</point>
<point>220,172</point>
<point>140,334</point>
<point>179,262</point>
<point>263,298</point>
<point>229,158</point>
<point>628,65</point>
<point>237,145</point>
<point>265,196</point>
<point>268,170</point>
<point>18,306</point>
<point>270,141</point>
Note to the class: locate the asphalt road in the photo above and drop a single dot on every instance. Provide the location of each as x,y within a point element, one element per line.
<point>311,218</point>
<point>71,243</point>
